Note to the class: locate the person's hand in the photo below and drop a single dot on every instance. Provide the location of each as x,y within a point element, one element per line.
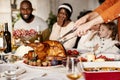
<point>86,18</point>
<point>82,29</point>
<point>78,26</point>
<point>60,21</point>
<point>83,25</point>
<point>96,47</point>
<point>81,21</point>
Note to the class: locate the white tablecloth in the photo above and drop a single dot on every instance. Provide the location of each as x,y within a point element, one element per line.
<point>35,73</point>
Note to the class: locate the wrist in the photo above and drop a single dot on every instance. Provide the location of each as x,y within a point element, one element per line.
<point>96,21</point>
<point>92,15</point>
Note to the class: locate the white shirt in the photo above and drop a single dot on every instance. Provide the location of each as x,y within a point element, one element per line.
<point>105,45</point>
<point>58,31</point>
<point>37,24</point>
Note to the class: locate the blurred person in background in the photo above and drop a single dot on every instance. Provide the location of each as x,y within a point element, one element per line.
<point>63,25</point>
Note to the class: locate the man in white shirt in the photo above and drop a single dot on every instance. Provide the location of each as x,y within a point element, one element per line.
<point>29,21</point>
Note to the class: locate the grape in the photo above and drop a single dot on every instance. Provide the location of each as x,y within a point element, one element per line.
<point>54,62</point>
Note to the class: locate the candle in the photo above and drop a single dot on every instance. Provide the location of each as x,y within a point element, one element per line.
<point>90,57</point>
<point>38,27</point>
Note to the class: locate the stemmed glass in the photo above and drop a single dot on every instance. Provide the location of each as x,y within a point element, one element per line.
<point>2,46</point>
<point>40,38</point>
<point>73,72</point>
<point>39,34</point>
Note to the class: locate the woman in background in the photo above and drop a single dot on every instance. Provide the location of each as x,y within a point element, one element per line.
<point>63,25</point>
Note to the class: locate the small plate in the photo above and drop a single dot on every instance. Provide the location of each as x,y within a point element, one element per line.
<point>5,67</point>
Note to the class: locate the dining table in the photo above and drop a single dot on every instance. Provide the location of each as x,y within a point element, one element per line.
<point>59,72</point>
<point>40,73</point>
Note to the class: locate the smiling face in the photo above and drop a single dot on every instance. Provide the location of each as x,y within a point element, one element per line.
<point>104,32</point>
<point>26,11</point>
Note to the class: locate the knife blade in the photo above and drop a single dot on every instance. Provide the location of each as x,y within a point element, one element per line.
<point>69,32</point>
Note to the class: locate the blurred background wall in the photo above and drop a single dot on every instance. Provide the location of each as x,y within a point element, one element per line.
<point>42,8</point>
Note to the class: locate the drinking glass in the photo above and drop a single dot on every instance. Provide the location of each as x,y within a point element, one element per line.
<point>40,37</point>
<point>73,72</point>
<point>11,72</point>
<point>2,47</point>
<point>2,55</point>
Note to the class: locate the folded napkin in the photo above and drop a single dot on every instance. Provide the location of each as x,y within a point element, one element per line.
<point>22,50</point>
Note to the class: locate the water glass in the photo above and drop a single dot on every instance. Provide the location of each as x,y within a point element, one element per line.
<point>73,72</point>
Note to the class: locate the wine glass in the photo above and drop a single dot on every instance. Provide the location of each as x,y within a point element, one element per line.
<point>73,72</point>
<point>40,37</point>
<point>2,47</point>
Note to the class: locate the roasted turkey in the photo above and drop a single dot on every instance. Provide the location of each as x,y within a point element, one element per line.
<point>46,49</point>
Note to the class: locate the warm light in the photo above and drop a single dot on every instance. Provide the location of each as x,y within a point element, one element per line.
<point>90,57</point>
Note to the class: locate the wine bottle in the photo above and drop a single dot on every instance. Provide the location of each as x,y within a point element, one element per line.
<point>7,39</point>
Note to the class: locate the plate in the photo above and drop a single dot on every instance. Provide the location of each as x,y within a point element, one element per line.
<point>44,67</point>
<point>5,67</point>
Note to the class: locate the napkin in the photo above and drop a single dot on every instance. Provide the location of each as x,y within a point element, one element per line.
<point>22,50</point>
